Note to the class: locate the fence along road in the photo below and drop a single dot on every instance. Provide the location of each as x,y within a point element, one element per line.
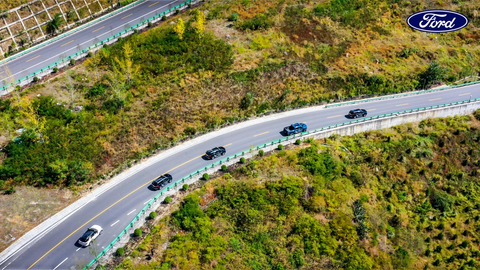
<point>115,208</point>
<point>20,69</point>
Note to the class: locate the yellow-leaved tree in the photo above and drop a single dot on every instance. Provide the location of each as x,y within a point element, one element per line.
<point>179,28</point>
<point>123,72</point>
<point>30,119</point>
<point>199,22</point>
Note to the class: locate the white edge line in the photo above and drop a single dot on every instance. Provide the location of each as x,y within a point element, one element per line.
<point>60,263</point>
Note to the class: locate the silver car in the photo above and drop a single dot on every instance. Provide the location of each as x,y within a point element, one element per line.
<point>91,234</point>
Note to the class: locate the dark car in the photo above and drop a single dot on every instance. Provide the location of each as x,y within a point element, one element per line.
<point>357,113</point>
<point>161,181</point>
<point>294,129</point>
<point>215,152</point>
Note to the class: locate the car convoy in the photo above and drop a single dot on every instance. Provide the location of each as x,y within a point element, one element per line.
<point>93,232</point>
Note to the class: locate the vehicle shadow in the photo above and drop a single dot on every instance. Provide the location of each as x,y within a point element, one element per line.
<point>204,157</point>
<point>151,188</point>
<point>78,245</point>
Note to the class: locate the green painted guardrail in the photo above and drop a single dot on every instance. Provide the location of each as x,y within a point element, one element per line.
<point>86,50</point>
<point>106,16</point>
<point>239,154</point>
<point>399,95</point>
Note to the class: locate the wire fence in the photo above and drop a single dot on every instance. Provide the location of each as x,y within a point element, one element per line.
<point>83,53</point>
<point>197,175</point>
<point>399,95</point>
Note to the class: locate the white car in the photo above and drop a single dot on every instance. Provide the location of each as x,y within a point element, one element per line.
<point>91,234</point>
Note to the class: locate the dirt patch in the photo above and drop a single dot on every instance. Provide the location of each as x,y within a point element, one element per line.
<point>28,207</point>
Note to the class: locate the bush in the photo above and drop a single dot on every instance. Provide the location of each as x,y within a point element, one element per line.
<point>2,184</point>
<point>36,79</point>
<point>120,251</point>
<point>206,176</point>
<point>138,232</point>
<point>55,70</point>
<point>167,200</point>
<point>261,153</point>
<point>233,17</point>
<point>185,187</point>
<point>280,147</point>
<point>224,168</point>
<point>9,191</point>
<point>164,18</point>
<point>152,215</point>
<point>189,5</point>
<point>150,24</point>
<point>72,62</point>
<point>243,160</point>
<point>177,11</point>
<point>298,142</point>
<point>477,114</point>
<point>90,54</point>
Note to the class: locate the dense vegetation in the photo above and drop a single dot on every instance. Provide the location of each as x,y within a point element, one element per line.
<point>400,198</point>
<point>241,58</point>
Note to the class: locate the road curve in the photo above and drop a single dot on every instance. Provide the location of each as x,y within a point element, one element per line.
<point>57,50</point>
<point>116,207</point>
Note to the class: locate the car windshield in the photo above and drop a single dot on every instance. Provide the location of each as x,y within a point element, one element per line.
<point>209,152</point>
<point>291,127</point>
<point>87,235</point>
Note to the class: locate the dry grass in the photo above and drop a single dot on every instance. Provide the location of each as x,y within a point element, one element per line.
<point>28,207</point>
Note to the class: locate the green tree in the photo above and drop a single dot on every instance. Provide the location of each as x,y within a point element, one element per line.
<point>433,74</point>
<point>54,24</point>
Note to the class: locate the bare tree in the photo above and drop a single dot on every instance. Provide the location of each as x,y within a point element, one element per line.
<point>72,88</point>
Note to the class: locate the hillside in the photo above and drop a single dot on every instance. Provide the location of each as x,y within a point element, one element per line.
<point>240,59</point>
<point>400,198</point>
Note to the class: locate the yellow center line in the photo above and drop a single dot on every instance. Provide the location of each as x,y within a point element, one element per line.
<point>154,4</point>
<point>98,29</point>
<point>2,72</point>
<point>67,43</point>
<point>434,99</point>
<point>127,16</point>
<point>464,94</point>
<point>369,110</point>
<point>147,183</point>
<point>402,104</point>
<point>227,145</point>
<point>334,116</point>
<point>261,134</point>
<point>33,58</point>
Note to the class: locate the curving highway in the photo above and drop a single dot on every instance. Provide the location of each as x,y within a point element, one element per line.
<point>115,208</point>
<point>48,54</point>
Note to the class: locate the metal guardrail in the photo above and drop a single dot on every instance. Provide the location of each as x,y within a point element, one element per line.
<point>399,95</point>
<point>76,29</point>
<point>197,173</point>
<point>84,52</point>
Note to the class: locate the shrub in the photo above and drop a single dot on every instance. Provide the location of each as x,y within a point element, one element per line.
<point>120,251</point>
<point>441,200</point>
<point>167,200</point>
<point>464,244</point>
<point>206,176</point>
<point>72,62</point>
<point>298,142</point>
<point>261,153</point>
<point>55,70</point>
<point>185,187</point>
<point>2,184</point>
<point>89,54</point>
<point>9,191</point>
<point>36,79</point>
<point>177,11</point>
<point>436,262</point>
<point>477,114</point>
<point>233,17</point>
<point>243,160</point>
<point>150,24</point>
<point>137,232</point>
<point>164,18</point>
<point>427,252</point>
<point>224,168</point>
<point>260,21</point>
<point>189,5</point>
<point>152,215</point>
<point>280,147</point>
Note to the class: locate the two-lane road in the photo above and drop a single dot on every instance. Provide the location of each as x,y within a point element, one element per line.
<point>55,51</point>
<point>115,208</point>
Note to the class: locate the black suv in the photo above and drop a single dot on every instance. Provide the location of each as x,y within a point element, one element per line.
<point>357,113</point>
<point>161,181</point>
<point>215,152</point>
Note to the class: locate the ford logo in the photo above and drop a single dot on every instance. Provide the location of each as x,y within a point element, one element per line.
<point>437,21</point>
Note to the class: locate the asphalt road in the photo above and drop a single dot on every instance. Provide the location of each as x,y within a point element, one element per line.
<point>55,51</point>
<point>115,208</point>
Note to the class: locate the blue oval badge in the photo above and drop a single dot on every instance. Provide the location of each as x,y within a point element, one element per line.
<point>437,21</point>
